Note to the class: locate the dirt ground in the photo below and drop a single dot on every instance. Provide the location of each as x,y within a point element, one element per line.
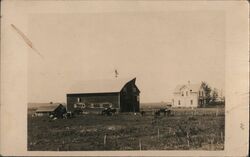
<point>185,129</point>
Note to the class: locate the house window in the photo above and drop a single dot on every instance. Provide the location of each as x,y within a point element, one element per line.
<point>201,93</point>
<point>78,99</point>
<point>182,93</point>
<point>186,93</point>
<point>191,102</point>
<point>179,102</point>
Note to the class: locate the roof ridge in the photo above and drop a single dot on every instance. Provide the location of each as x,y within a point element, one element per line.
<point>100,85</point>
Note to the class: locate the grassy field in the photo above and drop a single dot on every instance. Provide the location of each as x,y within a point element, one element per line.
<point>186,129</point>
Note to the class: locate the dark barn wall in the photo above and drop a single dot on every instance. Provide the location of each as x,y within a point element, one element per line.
<point>92,98</point>
<point>130,98</point>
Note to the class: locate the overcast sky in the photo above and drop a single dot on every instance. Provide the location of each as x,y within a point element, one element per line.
<point>160,49</point>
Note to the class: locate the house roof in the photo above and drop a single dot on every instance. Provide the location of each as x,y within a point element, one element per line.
<point>100,86</point>
<point>193,87</point>
<point>48,107</point>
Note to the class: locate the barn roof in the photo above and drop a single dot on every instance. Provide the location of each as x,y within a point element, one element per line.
<point>193,87</point>
<point>100,86</point>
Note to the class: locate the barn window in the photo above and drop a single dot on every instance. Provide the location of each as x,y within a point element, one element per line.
<point>88,105</point>
<point>78,99</point>
<point>79,105</point>
<point>106,105</point>
<point>191,102</point>
<point>179,102</point>
<point>82,105</point>
<point>96,105</point>
<point>91,105</point>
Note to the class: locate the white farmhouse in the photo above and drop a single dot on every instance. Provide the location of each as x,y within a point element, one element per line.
<point>189,95</point>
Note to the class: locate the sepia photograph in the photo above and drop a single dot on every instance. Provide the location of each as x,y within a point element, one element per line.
<point>127,81</point>
<point>124,78</point>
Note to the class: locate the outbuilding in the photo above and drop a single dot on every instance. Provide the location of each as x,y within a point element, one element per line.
<point>55,109</point>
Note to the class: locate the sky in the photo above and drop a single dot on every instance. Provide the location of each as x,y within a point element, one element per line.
<point>160,49</point>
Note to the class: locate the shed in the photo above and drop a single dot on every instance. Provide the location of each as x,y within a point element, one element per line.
<point>52,109</point>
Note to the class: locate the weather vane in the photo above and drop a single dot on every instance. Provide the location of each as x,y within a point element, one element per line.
<point>116,73</point>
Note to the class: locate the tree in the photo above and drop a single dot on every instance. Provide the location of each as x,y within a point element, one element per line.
<point>214,95</point>
<point>207,90</point>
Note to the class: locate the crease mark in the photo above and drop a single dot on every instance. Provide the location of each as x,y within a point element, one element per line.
<point>26,40</point>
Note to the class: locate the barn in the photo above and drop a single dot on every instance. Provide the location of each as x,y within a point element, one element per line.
<point>121,94</point>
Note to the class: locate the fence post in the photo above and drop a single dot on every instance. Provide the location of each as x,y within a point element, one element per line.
<point>140,144</point>
<point>212,144</point>
<point>221,136</point>
<point>158,134</point>
<point>104,140</point>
